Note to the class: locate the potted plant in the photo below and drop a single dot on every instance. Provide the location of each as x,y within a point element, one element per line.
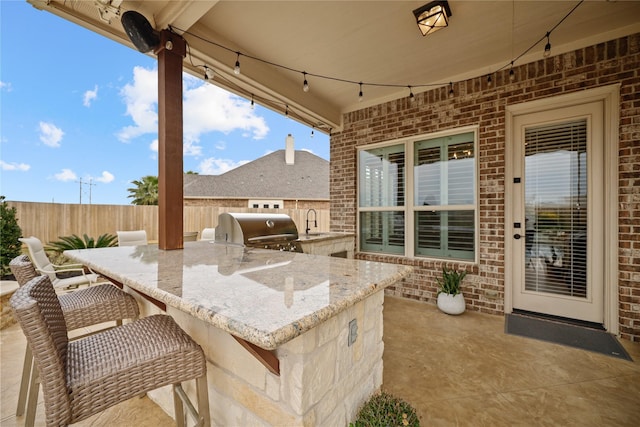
<point>450,298</point>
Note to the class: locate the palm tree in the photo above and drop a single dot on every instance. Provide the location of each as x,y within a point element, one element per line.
<point>145,191</point>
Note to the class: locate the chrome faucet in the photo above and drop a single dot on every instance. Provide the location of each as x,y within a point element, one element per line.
<point>315,219</point>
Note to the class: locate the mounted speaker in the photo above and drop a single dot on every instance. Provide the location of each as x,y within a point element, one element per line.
<point>139,30</point>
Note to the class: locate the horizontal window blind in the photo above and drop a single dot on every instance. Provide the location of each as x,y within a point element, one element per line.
<point>556,208</point>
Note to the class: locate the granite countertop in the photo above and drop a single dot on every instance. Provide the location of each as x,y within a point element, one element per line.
<point>263,296</point>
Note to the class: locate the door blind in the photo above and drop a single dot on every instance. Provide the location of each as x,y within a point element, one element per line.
<point>556,208</point>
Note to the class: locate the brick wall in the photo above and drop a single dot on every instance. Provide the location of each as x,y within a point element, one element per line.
<point>476,102</point>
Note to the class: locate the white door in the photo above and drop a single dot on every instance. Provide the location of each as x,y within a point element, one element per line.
<point>558,212</point>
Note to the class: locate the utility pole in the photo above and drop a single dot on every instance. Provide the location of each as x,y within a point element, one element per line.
<point>90,184</point>
<point>80,181</point>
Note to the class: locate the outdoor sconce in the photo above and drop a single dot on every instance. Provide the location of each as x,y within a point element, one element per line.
<point>139,30</point>
<point>432,16</point>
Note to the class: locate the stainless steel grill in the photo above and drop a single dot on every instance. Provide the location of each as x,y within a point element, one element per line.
<point>270,231</point>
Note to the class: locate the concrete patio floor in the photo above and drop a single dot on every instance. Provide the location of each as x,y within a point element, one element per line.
<point>455,370</point>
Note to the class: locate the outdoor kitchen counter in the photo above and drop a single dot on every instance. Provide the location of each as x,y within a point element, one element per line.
<point>265,297</point>
<point>291,339</point>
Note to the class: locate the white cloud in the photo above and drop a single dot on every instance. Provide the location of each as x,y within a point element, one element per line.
<point>22,167</point>
<point>89,96</point>
<point>50,134</point>
<point>207,108</point>
<point>106,177</point>
<point>6,86</point>
<point>141,98</point>
<point>154,145</point>
<point>213,166</point>
<point>66,175</point>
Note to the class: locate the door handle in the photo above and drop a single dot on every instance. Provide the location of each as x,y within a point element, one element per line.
<point>516,236</point>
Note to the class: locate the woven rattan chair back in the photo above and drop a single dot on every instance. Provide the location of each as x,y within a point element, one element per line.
<point>37,309</point>
<point>86,376</point>
<point>22,269</point>
<point>82,308</point>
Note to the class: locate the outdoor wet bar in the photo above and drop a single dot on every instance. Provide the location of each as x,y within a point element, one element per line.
<point>290,338</point>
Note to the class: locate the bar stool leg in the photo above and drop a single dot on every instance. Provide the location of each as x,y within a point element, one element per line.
<point>203,400</point>
<point>32,400</point>
<point>178,407</point>
<point>24,383</point>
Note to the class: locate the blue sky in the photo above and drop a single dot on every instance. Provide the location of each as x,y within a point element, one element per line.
<point>76,106</point>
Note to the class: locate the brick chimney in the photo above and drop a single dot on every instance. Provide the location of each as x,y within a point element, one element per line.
<point>289,154</point>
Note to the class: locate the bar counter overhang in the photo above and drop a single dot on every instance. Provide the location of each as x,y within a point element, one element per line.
<point>297,309</point>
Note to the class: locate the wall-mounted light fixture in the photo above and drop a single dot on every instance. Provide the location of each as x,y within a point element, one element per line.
<point>432,16</point>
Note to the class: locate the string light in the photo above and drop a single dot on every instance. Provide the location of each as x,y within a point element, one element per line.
<point>312,129</point>
<point>305,84</point>
<point>286,111</point>
<point>547,47</point>
<point>209,73</point>
<point>236,69</point>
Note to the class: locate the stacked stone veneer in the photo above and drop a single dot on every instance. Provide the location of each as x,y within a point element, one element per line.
<point>329,246</point>
<point>476,102</point>
<point>322,382</point>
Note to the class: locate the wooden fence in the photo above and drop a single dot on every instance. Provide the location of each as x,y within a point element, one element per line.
<point>50,221</point>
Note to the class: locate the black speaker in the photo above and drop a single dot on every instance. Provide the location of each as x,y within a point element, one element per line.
<point>139,30</point>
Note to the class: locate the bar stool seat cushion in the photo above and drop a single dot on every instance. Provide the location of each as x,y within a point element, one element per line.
<point>116,365</point>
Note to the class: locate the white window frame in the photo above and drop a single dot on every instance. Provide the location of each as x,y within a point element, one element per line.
<point>270,204</point>
<point>409,207</point>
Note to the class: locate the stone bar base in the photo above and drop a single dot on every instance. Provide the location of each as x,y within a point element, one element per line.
<point>323,380</point>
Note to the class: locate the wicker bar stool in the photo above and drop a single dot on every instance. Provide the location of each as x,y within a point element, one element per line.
<point>84,377</point>
<point>82,308</point>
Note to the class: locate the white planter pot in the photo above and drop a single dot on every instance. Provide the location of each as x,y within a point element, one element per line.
<point>451,304</point>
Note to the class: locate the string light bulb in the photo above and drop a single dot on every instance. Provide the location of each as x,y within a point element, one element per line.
<point>208,73</point>
<point>360,95</point>
<point>286,111</point>
<point>489,80</point>
<point>547,47</point>
<point>411,95</point>
<point>451,93</point>
<point>236,69</point>
<point>512,74</point>
<point>252,103</point>
<point>305,84</point>
<point>312,132</point>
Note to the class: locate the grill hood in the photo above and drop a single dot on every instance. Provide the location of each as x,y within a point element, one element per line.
<point>255,229</point>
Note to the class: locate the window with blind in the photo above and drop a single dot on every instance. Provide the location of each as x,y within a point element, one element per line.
<point>556,208</point>
<point>439,209</point>
<point>382,189</point>
<point>444,197</point>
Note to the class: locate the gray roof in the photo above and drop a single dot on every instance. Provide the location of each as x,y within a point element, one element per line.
<point>268,177</point>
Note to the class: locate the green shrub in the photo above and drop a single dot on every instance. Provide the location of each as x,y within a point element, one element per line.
<point>385,410</point>
<point>76,242</point>
<point>10,232</point>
